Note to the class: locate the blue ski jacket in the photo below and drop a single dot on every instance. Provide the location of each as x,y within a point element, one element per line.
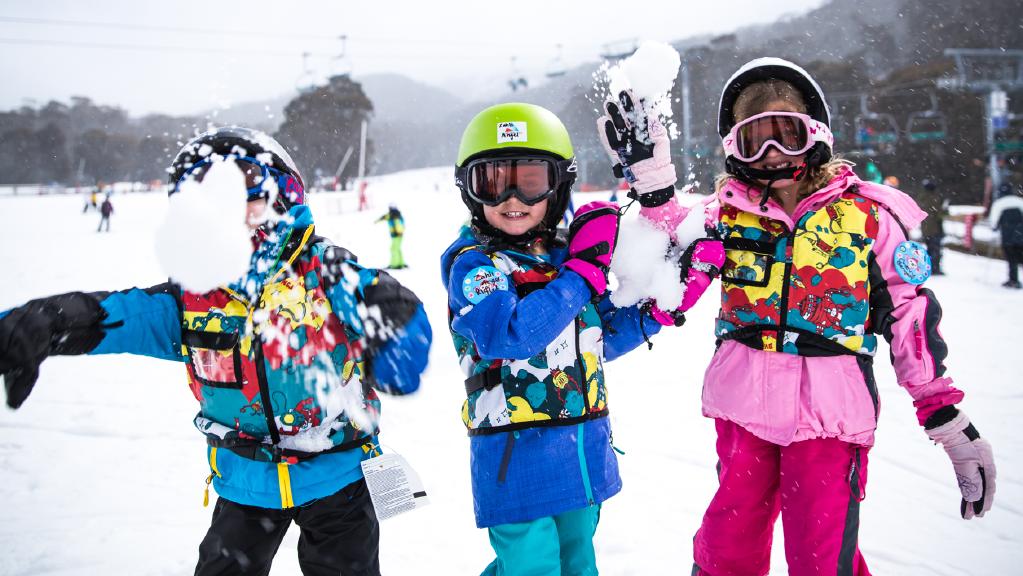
<point>509,316</point>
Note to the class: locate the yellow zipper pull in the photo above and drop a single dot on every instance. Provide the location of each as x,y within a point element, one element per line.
<point>206,492</point>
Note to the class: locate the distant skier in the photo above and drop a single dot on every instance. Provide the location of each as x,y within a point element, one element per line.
<point>932,229</point>
<point>1007,216</point>
<point>285,364</point>
<point>90,201</point>
<point>105,210</point>
<point>871,173</point>
<point>363,199</point>
<point>396,227</point>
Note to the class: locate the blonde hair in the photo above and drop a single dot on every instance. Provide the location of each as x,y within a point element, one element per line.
<point>756,98</point>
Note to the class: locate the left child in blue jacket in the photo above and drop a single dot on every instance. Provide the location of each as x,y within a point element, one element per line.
<point>284,363</point>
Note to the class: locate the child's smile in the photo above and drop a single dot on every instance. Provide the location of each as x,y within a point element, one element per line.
<point>513,217</point>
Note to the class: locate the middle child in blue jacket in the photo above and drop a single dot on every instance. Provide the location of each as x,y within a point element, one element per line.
<point>531,322</point>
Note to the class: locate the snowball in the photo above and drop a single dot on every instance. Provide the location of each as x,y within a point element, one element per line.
<point>692,227</point>
<point>203,242</point>
<point>649,73</point>
<point>640,267</point>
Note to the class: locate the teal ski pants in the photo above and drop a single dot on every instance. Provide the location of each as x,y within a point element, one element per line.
<point>550,546</point>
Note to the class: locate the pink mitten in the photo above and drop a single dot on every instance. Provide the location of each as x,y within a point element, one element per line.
<point>592,237</point>
<point>700,263</point>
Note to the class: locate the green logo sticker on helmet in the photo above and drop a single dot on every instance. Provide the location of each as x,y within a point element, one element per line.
<point>511,132</point>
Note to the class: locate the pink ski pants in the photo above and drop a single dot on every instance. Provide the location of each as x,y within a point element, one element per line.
<point>816,486</point>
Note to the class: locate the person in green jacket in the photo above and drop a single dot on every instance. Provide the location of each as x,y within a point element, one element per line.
<point>396,226</point>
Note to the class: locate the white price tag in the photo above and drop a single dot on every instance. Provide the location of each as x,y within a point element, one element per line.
<point>393,485</point>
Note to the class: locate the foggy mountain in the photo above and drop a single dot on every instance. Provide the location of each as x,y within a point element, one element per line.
<point>881,49</point>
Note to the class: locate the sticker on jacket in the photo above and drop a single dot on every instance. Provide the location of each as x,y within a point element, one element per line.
<point>912,262</point>
<point>483,281</point>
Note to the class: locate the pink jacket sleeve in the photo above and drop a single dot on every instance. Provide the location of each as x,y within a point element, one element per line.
<point>908,316</point>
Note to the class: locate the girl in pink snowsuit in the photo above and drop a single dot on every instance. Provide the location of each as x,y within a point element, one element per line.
<point>817,265</point>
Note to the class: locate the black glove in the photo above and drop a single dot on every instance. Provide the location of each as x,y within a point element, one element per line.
<point>396,305</point>
<point>65,324</point>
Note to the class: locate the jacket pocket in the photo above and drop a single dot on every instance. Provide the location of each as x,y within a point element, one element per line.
<point>215,358</point>
<point>747,262</point>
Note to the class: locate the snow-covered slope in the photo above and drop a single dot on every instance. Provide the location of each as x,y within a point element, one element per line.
<point>101,472</point>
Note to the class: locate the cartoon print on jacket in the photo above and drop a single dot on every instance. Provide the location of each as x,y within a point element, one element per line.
<point>298,330</point>
<point>809,287</point>
<point>564,382</point>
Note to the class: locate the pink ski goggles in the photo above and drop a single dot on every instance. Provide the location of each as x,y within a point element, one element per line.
<point>790,132</point>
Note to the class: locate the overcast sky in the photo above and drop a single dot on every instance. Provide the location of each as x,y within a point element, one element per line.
<point>188,56</point>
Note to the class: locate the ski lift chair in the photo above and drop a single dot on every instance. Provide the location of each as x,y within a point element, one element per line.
<point>556,68</point>
<point>927,124</point>
<point>875,130</point>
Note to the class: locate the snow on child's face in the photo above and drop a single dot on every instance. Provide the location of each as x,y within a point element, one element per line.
<point>255,213</point>
<point>203,241</point>
<point>513,217</point>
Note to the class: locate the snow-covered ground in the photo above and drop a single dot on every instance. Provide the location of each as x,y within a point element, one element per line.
<point>101,472</point>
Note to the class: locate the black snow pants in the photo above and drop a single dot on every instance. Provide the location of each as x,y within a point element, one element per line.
<point>340,535</point>
<point>1014,255</point>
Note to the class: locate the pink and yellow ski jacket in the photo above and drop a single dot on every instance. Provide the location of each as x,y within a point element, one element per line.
<point>803,299</point>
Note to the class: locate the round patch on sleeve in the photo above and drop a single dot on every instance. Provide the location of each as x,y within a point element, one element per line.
<point>483,281</point>
<point>912,262</point>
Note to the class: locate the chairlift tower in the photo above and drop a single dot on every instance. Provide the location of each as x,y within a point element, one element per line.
<point>991,72</point>
<point>341,64</point>
<point>306,80</point>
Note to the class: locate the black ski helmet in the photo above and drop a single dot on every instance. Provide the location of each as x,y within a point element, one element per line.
<point>759,70</point>
<point>539,132</point>
<point>241,142</point>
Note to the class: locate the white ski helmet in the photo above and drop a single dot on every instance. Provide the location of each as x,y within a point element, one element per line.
<point>769,68</point>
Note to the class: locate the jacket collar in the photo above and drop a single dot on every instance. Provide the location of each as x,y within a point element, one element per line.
<point>275,254</point>
<point>747,198</point>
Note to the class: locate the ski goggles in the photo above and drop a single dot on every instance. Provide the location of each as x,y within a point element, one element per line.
<point>259,178</point>
<point>531,179</point>
<point>791,133</point>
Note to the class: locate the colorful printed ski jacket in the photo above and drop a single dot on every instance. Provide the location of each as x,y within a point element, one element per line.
<point>802,300</point>
<point>531,344</point>
<point>283,368</point>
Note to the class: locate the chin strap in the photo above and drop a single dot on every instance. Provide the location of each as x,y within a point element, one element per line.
<point>751,175</point>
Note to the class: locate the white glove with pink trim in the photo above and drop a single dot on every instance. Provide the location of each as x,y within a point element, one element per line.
<point>638,145</point>
<point>972,461</point>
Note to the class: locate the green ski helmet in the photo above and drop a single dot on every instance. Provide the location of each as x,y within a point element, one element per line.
<point>513,131</point>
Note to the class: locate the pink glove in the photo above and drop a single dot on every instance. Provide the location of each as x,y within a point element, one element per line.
<point>638,145</point>
<point>592,237</point>
<point>701,263</point>
<point>972,461</point>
